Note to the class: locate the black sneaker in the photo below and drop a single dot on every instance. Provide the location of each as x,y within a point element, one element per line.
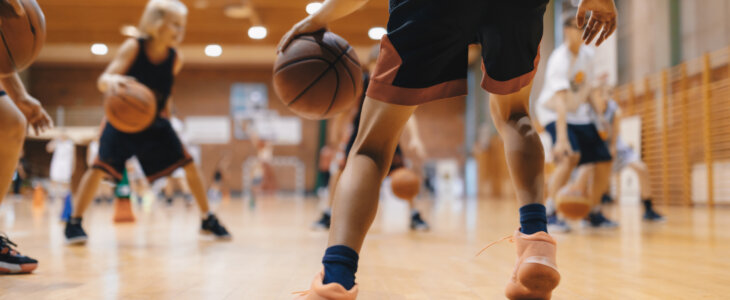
<point>606,199</point>
<point>598,220</point>
<point>211,225</point>
<point>74,233</point>
<point>11,261</point>
<point>418,224</point>
<point>652,216</point>
<point>323,223</point>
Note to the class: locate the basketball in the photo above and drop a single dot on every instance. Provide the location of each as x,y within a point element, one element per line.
<point>405,183</point>
<point>23,36</point>
<point>132,108</point>
<point>318,75</point>
<point>572,206</point>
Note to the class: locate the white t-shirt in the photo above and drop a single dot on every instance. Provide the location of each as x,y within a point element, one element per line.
<point>575,74</point>
<point>62,161</point>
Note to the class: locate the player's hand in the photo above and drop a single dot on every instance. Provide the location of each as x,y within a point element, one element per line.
<point>115,82</point>
<point>603,19</point>
<point>37,117</point>
<point>562,150</point>
<point>308,25</point>
<point>17,7</point>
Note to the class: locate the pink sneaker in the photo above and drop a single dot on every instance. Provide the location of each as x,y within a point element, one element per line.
<point>330,291</point>
<point>536,274</point>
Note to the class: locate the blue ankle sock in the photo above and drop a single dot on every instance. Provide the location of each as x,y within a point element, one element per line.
<point>340,265</point>
<point>533,218</point>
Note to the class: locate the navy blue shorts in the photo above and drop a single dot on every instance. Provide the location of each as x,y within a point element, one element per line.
<point>584,140</point>
<point>424,56</point>
<point>157,148</point>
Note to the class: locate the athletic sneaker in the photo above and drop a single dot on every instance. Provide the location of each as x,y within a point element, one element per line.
<point>652,216</point>
<point>211,225</point>
<point>323,223</point>
<point>536,273</point>
<point>557,225</point>
<point>11,261</point>
<point>74,232</point>
<point>330,291</point>
<point>598,220</point>
<point>418,224</point>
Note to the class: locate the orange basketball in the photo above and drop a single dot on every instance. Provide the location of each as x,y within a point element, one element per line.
<point>132,109</point>
<point>405,183</point>
<point>572,206</point>
<point>318,75</point>
<point>22,36</point>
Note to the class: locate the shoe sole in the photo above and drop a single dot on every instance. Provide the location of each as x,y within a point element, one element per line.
<point>223,237</point>
<point>77,240</point>
<point>8,268</point>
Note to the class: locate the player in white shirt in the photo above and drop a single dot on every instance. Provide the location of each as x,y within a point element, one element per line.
<point>564,110</point>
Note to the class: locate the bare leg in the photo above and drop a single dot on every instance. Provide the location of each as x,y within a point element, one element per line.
<point>562,174</point>
<point>192,174</point>
<point>87,189</point>
<point>522,145</point>
<point>356,195</point>
<point>601,181</point>
<point>643,173</point>
<point>12,135</point>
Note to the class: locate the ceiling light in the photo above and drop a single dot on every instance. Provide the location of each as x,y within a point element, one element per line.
<point>376,33</point>
<point>213,50</point>
<point>313,7</point>
<point>257,32</point>
<point>99,49</point>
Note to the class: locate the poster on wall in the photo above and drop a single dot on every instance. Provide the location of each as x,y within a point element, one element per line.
<point>248,101</point>
<point>208,129</point>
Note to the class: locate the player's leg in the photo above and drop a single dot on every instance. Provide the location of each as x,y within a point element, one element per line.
<point>355,200</point>
<point>12,135</point>
<point>642,171</point>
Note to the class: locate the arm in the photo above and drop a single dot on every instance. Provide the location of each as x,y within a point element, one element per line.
<point>114,76</point>
<point>31,108</point>
<point>331,11</point>
<point>562,143</point>
<point>415,143</point>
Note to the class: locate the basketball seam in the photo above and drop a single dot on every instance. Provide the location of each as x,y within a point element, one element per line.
<point>332,64</point>
<point>298,61</point>
<point>32,29</point>
<point>352,78</point>
<point>7,49</point>
<point>334,96</point>
<point>132,104</point>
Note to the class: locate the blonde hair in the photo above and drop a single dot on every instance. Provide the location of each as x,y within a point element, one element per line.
<point>152,17</point>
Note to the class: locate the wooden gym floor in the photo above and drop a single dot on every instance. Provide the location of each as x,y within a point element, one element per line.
<point>274,253</point>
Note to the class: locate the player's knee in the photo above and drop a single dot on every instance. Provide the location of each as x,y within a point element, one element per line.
<point>574,158</point>
<point>13,128</point>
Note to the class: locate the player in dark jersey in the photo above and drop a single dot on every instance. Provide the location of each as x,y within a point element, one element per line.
<point>18,109</point>
<point>423,58</point>
<point>152,60</point>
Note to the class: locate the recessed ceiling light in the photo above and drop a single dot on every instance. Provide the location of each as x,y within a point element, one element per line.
<point>257,32</point>
<point>377,33</point>
<point>99,49</point>
<point>313,7</point>
<point>213,50</point>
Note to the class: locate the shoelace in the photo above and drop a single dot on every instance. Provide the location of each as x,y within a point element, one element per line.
<point>7,243</point>
<point>509,237</point>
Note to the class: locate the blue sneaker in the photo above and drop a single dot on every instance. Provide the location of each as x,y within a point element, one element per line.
<point>557,225</point>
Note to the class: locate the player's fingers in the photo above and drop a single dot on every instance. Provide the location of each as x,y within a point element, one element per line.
<point>285,41</point>
<point>17,6</point>
<point>596,29</point>
<point>589,28</point>
<point>580,17</point>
